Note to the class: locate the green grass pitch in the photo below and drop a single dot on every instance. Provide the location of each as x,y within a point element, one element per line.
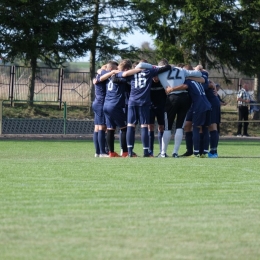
<point>59,202</point>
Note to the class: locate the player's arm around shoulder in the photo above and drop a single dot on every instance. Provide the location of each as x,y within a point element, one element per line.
<point>144,65</point>
<point>117,78</point>
<point>192,73</point>
<point>169,89</point>
<point>97,78</point>
<point>131,72</point>
<point>108,75</point>
<point>160,69</point>
<point>197,79</point>
<point>164,68</point>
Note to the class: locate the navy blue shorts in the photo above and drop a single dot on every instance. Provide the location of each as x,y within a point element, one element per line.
<point>115,116</point>
<point>99,116</point>
<point>138,114</point>
<point>215,115</point>
<point>189,115</point>
<point>201,119</point>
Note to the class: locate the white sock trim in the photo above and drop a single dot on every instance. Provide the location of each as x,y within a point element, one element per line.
<point>165,140</point>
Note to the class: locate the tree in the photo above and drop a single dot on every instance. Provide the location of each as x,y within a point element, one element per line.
<point>51,31</point>
<point>147,53</point>
<point>111,21</point>
<point>159,18</point>
<point>249,48</point>
<point>215,33</point>
<point>222,34</point>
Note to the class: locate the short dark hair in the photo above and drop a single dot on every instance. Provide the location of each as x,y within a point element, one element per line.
<point>112,62</point>
<point>111,65</point>
<point>186,66</point>
<point>163,62</point>
<point>125,64</point>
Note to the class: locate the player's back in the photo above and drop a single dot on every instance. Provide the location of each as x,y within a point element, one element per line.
<point>140,87</point>
<point>212,98</point>
<point>100,92</point>
<point>196,91</point>
<point>176,76</point>
<point>100,89</point>
<point>115,92</point>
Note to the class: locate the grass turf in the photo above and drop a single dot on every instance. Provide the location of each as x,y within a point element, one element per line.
<point>59,202</point>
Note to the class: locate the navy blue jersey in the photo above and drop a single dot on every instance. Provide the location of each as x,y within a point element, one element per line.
<point>172,76</point>
<point>127,92</point>
<point>117,79</point>
<point>100,89</point>
<point>214,101</point>
<point>206,83</point>
<point>196,91</point>
<point>140,87</point>
<point>115,93</point>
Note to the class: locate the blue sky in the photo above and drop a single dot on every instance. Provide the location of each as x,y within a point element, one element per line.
<point>138,38</point>
<point>135,39</point>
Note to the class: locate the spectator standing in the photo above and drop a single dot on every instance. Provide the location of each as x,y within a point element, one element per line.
<point>243,102</point>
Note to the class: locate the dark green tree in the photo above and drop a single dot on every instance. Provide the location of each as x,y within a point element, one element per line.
<point>204,30</point>
<point>159,18</point>
<point>248,48</point>
<point>112,21</point>
<point>50,31</point>
<point>215,33</point>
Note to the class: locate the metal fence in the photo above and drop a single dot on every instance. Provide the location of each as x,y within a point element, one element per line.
<point>50,85</point>
<point>74,88</point>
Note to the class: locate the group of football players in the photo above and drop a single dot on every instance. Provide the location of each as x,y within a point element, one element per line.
<point>128,94</point>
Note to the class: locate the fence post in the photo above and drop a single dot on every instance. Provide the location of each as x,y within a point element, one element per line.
<point>61,78</point>
<point>1,115</point>
<point>65,117</point>
<point>11,85</point>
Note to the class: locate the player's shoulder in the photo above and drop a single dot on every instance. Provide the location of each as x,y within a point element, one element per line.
<point>188,80</point>
<point>102,72</point>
